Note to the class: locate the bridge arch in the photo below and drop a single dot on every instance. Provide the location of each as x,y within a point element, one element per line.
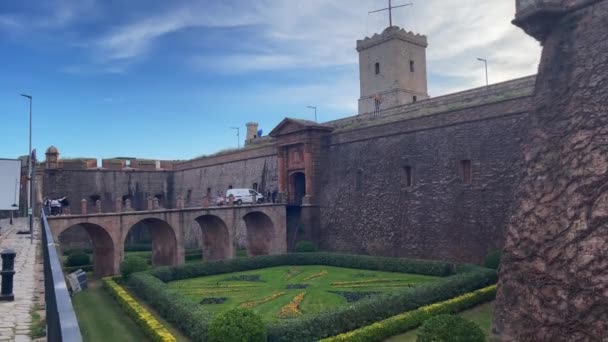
<point>217,243</point>
<point>164,240</point>
<point>260,233</point>
<point>104,250</point>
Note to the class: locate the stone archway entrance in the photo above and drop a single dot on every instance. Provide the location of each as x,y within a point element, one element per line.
<point>103,248</point>
<point>164,241</point>
<point>216,238</point>
<point>260,233</point>
<point>297,187</point>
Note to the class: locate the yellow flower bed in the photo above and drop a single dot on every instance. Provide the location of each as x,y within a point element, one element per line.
<point>153,328</point>
<point>292,309</point>
<point>316,275</point>
<point>401,323</point>
<point>204,292</point>
<point>213,286</point>
<point>293,272</point>
<point>368,281</point>
<point>373,285</point>
<point>255,303</point>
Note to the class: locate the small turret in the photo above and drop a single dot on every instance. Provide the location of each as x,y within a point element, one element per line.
<point>52,157</point>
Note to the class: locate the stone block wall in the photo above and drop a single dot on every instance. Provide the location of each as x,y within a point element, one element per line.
<point>367,206</point>
<point>107,184</point>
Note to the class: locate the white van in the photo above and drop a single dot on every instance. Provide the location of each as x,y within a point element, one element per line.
<point>244,196</point>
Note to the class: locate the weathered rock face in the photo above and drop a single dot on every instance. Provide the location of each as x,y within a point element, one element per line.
<point>554,276</point>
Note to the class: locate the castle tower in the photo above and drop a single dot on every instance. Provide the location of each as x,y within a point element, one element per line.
<point>52,157</point>
<point>392,69</point>
<point>252,131</point>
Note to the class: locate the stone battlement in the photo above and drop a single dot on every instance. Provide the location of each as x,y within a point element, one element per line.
<point>473,97</point>
<point>390,33</point>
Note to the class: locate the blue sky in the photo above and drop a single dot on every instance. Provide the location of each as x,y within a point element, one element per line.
<point>166,79</point>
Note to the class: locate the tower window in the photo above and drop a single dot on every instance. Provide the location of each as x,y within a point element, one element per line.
<point>465,169</point>
<point>411,66</point>
<point>408,175</point>
<point>377,68</point>
<point>414,98</point>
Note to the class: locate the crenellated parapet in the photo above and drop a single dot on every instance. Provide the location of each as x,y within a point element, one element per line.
<point>393,32</point>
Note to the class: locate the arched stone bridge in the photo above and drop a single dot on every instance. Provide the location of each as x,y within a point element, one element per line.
<point>265,229</point>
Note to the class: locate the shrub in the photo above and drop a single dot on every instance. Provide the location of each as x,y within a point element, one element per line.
<point>67,252</point>
<point>493,260</point>
<point>305,246</point>
<point>138,247</point>
<point>406,321</point>
<point>237,325</point>
<point>131,265</point>
<point>78,259</point>
<point>450,328</point>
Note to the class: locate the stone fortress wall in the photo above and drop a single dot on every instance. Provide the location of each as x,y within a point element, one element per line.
<point>365,203</point>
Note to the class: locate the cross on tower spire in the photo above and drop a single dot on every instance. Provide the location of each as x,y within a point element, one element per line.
<point>390,11</point>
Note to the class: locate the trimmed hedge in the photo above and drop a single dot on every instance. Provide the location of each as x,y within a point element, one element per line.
<point>305,246</point>
<point>78,259</point>
<point>189,317</point>
<point>154,329</point>
<point>192,319</point>
<point>450,328</point>
<point>426,267</point>
<point>85,268</point>
<point>409,320</point>
<point>493,260</point>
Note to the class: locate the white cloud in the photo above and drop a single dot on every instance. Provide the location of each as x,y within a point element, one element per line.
<point>306,35</point>
<point>322,33</point>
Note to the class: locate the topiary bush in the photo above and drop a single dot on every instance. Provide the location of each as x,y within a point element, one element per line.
<point>305,246</point>
<point>78,259</point>
<point>449,328</point>
<point>237,325</point>
<point>493,260</point>
<point>132,264</point>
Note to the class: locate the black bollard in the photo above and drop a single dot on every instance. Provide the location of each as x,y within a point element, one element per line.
<point>8,271</point>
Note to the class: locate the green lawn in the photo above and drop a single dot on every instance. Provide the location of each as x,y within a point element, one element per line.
<point>273,281</point>
<point>101,319</point>
<point>482,315</point>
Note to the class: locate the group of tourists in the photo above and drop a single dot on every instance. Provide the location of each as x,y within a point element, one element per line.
<point>271,197</point>
<point>55,206</point>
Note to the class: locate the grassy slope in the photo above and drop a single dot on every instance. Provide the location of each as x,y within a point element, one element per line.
<point>101,319</point>
<point>275,279</point>
<point>482,315</point>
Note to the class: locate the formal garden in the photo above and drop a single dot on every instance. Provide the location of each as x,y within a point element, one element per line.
<point>293,297</point>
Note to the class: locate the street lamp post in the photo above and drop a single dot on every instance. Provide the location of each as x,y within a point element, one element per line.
<point>29,171</point>
<point>315,108</point>
<point>238,137</point>
<point>485,61</point>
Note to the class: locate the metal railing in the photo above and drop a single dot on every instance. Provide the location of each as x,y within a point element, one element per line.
<point>61,321</point>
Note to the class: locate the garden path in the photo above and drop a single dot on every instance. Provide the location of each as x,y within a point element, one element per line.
<point>15,316</point>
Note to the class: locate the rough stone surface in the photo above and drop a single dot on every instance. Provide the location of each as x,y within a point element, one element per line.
<point>15,316</point>
<point>367,206</point>
<point>554,275</point>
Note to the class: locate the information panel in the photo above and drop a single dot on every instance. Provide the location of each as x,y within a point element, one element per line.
<point>10,172</point>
